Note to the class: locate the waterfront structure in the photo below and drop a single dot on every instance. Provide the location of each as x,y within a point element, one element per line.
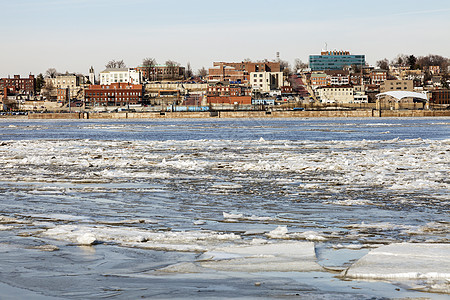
<point>19,85</point>
<point>335,60</point>
<point>120,75</point>
<point>398,98</point>
<point>161,72</point>
<point>397,85</point>
<point>114,94</point>
<point>265,82</point>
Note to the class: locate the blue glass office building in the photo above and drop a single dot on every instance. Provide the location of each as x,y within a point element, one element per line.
<point>335,60</point>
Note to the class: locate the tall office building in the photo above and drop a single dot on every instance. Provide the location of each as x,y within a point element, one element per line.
<point>335,60</point>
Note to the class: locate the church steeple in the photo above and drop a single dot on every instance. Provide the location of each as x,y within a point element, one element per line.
<point>91,75</point>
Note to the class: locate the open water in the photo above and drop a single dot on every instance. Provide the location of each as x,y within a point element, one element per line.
<point>223,208</point>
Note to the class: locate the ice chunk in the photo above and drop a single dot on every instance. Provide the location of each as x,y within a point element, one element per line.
<point>232,216</point>
<point>310,236</point>
<point>276,257</point>
<point>182,268</point>
<point>279,233</point>
<point>48,248</point>
<point>86,239</point>
<point>403,261</point>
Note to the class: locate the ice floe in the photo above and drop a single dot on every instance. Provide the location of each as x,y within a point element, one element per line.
<point>424,265</point>
<point>276,257</point>
<point>230,217</point>
<point>134,237</point>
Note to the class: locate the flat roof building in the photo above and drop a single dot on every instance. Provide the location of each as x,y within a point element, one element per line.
<point>335,60</point>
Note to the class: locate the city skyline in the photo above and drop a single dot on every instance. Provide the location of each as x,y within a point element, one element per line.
<point>74,35</point>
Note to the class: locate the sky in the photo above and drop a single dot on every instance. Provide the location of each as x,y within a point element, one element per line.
<point>72,35</point>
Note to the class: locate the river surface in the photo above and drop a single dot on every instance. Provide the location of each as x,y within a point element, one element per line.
<point>218,208</point>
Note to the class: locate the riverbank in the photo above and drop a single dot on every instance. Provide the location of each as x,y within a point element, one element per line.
<point>245,114</point>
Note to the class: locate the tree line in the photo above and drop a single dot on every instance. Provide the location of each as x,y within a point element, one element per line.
<point>415,63</point>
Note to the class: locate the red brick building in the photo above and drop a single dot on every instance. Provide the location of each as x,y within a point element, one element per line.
<point>319,79</point>
<point>378,76</point>
<point>440,97</point>
<point>115,94</point>
<point>286,89</point>
<point>250,67</point>
<point>239,72</point>
<point>229,94</point>
<point>62,94</point>
<point>162,72</point>
<point>20,85</point>
<point>224,73</point>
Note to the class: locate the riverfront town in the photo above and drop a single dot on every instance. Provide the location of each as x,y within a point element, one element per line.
<point>332,81</point>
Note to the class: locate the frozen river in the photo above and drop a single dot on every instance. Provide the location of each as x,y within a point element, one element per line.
<point>225,208</point>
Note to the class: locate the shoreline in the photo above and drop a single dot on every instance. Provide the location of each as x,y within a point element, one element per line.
<point>369,113</point>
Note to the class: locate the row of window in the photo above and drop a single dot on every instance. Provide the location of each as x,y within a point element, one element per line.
<point>118,93</point>
<point>340,93</point>
<point>117,99</point>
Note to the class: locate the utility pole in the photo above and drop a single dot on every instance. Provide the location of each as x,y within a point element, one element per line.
<point>68,94</point>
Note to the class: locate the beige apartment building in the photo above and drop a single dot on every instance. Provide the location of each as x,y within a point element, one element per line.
<point>397,85</point>
<point>265,82</point>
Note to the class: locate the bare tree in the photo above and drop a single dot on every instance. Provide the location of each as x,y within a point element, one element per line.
<point>148,65</point>
<point>115,64</point>
<point>188,73</point>
<point>401,60</point>
<point>285,67</point>
<point>202,72</point>
<point>424,62</point>
<point>299,65</point>
<point>51,73</point>
<point>172,66</point>
<point>383,64</point>
<point>48,89</point>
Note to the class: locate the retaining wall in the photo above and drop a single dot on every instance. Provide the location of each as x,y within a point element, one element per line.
<point>246,114</point>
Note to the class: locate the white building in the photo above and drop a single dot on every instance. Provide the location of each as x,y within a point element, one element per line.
<point>265,82</point>
<point>339,79</point>
<point>126,75</point>
<point>336,94</point>
<point>360,98</point>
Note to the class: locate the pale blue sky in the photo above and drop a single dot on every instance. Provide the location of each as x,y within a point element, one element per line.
<point>72,35</point>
